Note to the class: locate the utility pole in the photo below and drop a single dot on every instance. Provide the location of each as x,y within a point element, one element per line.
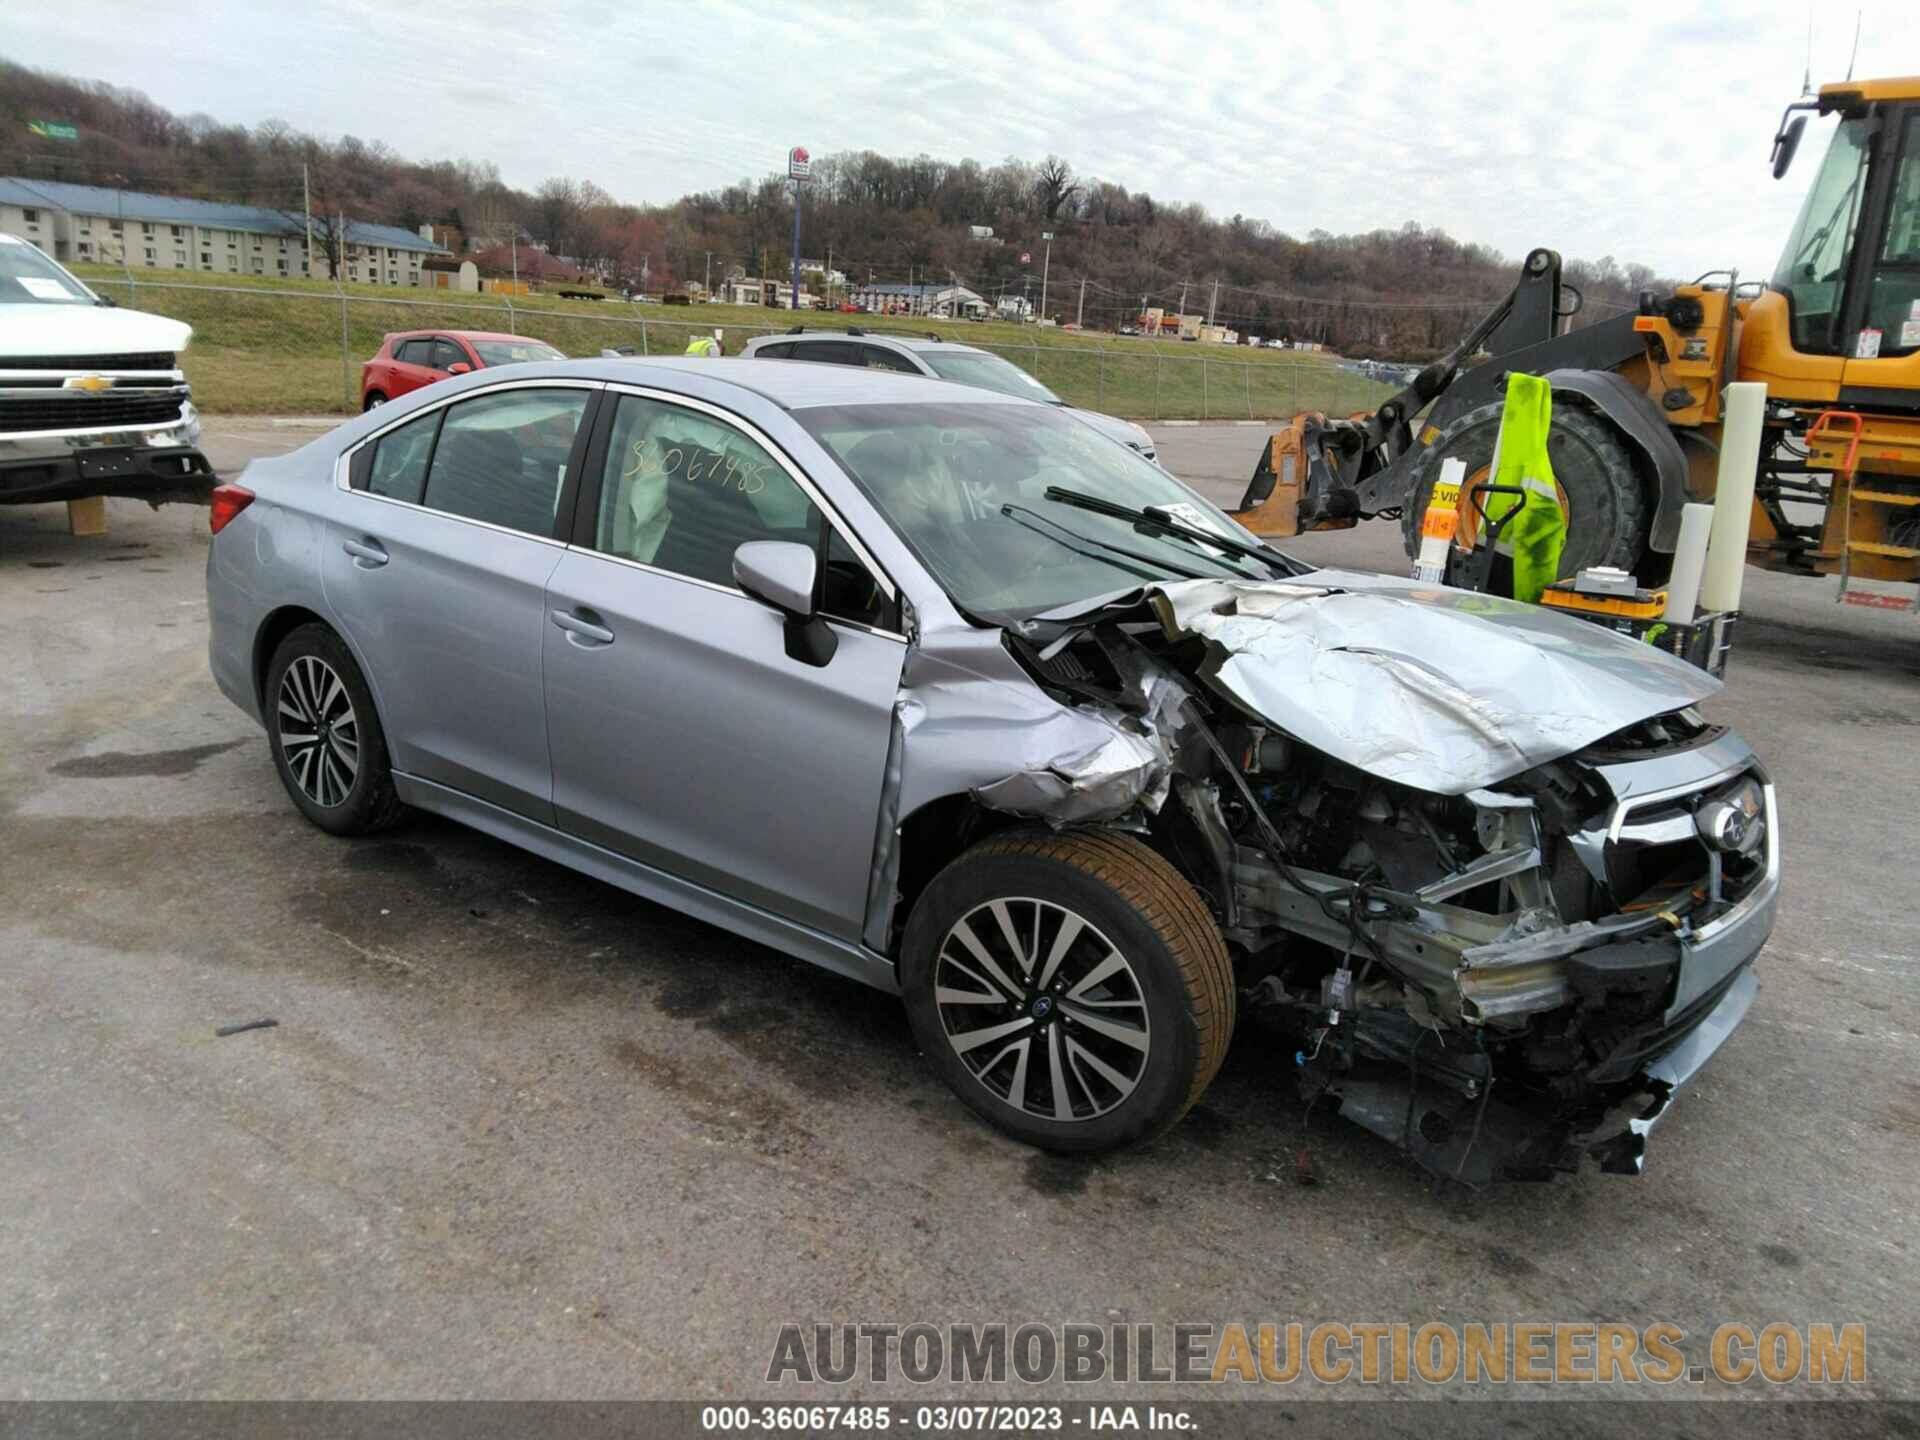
<point>709,285</point>
<point>1080,311</point>
<point>826,280</point>
<point>1214,303</point>
<point>1046,264</point>
<point>1183,297</point>
<point>306,204</point>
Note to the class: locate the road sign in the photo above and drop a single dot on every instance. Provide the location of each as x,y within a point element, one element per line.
<point>54,130</point>
<point>1046,235</point>
<point>799,163</point>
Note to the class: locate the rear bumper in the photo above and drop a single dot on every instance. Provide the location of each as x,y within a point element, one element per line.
<point>159,464</point>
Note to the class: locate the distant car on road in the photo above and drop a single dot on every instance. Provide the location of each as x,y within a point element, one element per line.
<point>940,360</point>
<point>409,359</point>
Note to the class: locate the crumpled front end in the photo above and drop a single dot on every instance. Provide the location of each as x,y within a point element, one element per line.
<point>1486,869</point>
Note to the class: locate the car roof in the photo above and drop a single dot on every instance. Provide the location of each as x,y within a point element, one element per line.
<point>905,342</point>
<point>790,384</point>
<point>464,335</point>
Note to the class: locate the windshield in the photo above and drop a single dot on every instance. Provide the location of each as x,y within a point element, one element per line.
<point>513,352</point>
<point>965,487</point>
<point>987,372</point>
<point>29,278</point>
<point>1813,268</point>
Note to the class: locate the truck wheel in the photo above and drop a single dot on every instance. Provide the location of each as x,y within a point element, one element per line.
<point>1072,989</point>
<point>1606,508</point>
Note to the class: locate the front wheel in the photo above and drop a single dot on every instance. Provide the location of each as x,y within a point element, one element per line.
<point>1599,490</point>
<point>1072,989</point>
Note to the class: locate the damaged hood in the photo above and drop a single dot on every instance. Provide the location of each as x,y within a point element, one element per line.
<point>1440,689</point>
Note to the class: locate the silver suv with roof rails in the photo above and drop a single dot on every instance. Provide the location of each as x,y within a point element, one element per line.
<point>938,359</point>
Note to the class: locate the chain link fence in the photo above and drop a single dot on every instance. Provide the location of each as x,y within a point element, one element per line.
<point>299,351</point>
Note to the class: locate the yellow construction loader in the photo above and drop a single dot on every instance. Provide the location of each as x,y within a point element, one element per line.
<point>1834,334</point>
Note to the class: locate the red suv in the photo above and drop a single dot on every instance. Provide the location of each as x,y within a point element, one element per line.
<point>408,359</point>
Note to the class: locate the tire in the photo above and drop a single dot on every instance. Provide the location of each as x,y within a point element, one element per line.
<point>1606,507</point>
<point>340,778</point>
<point>1173,991</point>
<point>373,401</point>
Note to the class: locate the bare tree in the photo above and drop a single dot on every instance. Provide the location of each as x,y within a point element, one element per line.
<point>1055,187</point>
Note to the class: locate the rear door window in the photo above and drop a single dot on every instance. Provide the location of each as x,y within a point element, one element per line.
<point>834,352</point>
<point>501,458</point>
<point>415,352</point>
<point>782,351</point>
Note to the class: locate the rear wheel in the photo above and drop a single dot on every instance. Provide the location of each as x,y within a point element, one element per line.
<point>327,742</point>
<point>1600,492</point>
<point>373,401</point>
<point>1072,989</point>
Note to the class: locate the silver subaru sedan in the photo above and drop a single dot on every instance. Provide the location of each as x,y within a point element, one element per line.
<point>945,691</point>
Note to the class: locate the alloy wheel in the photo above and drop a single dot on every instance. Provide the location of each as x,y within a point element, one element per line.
<point>319,732</point>
<point>1042,1009</point>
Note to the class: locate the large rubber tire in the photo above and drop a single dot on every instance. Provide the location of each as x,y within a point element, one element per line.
<point>373,401</point>
<point>369,802</point>
<point>1148,913</point>
<point>1606,507</point>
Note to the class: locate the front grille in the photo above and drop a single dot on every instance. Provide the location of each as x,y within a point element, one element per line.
<point>1659,852</point>
<point>92,364</point>
<point>90,412</point>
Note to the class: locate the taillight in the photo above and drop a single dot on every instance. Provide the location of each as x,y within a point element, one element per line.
<point>228,501</point>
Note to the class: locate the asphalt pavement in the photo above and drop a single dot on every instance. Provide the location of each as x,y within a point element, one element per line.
<point>518,1134</point>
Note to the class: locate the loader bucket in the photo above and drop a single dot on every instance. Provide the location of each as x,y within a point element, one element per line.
<point>1271,505</point>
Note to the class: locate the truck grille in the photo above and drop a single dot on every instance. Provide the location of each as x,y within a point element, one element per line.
<point>92,364</point>
<point>59,411</point>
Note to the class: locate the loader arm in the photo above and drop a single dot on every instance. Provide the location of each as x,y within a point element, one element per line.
<point>1325,473</point>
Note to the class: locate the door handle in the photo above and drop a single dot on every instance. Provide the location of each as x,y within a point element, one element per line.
<point>580,630</point>
<point>367,554</point>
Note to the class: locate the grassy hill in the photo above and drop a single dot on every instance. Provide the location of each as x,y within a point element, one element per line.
<point>275,346</point>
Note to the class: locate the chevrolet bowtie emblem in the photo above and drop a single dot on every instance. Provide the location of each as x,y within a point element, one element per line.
<point>91,384</point>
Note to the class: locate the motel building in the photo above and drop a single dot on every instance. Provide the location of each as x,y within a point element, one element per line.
<point>97,225</point>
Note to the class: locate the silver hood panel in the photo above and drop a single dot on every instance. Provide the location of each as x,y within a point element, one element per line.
<point>1443,690</point>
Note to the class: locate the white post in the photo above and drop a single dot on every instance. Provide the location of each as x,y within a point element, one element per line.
<point>1045,265</point>
<point>1080,311</point>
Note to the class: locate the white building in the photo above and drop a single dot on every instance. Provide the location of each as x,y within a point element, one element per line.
<point>91,224</point>
<point>946,302</point>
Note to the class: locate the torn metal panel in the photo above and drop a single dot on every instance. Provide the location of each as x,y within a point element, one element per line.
<point>1439,689</point>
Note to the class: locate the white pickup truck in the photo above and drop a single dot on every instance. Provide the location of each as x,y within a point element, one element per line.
<point>92,397</point>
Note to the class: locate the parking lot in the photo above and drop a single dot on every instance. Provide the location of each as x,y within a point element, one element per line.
<point>519,1134</point>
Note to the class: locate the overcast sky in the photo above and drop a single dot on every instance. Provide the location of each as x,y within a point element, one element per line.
<point>1633,130</point>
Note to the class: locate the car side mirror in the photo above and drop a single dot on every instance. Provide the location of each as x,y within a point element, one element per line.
<point>782,573</point>
<point>459,367</point>
<point>1786,144</point>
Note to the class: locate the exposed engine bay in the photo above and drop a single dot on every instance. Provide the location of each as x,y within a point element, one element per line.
<point>1503,968</point>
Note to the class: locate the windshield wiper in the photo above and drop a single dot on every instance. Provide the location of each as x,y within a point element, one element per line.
<point>1155,518</point>
<point>1148,567</point>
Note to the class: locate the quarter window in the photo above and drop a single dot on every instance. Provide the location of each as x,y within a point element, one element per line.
<point>501,458</point>
<point>399,466</point>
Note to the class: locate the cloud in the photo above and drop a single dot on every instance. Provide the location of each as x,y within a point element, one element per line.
<point>1637,131</point>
